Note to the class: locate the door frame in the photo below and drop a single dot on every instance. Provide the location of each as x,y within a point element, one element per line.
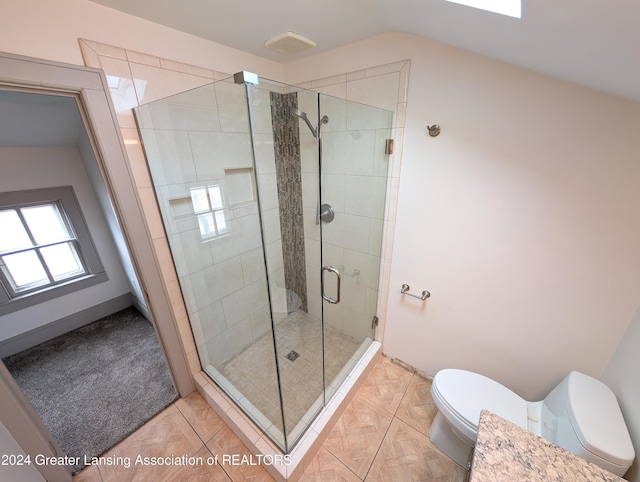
<point>89,86</point>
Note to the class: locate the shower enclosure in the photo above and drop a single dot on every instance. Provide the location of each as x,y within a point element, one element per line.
<point>273,201</point>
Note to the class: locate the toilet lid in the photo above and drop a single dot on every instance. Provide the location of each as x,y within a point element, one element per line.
<point>465,394</point>
<point>597,420</point>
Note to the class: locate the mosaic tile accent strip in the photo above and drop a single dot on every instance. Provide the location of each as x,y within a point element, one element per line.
<point>286,144</point>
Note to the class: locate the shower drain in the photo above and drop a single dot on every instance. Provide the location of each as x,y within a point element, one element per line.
<point>292,355</point>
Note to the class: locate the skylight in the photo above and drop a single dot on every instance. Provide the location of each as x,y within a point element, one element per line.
<point>512,8</point>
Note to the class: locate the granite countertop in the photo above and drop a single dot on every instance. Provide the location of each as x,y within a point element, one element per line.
<point>506,452</point>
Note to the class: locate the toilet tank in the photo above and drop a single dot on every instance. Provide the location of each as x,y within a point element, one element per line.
<point>582,416</point>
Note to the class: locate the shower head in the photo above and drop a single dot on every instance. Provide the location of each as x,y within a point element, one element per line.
<point>303,115</point>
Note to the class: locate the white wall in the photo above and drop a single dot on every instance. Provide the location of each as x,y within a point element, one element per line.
<point>40,167</point>
<point>50,30</point>
<point>520,218</point>
<point>621,375</point>
<point>102,195</point>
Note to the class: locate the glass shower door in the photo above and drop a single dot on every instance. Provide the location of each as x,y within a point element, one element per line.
<point>322,169</point>
<point>354,176</point>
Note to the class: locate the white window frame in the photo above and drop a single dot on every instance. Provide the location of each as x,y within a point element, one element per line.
<point>13,300</point>
<point>210,210</point>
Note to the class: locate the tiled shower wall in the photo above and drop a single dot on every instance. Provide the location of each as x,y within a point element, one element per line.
<point>136,78</point>
<point>354,245</point>
<point>354,171</point>
<point>198,142</point>
<point>286,145</point>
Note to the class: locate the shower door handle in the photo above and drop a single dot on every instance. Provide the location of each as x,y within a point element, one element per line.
<point>337,273</point>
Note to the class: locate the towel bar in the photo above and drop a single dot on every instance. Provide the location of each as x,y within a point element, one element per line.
<point>405,291</point>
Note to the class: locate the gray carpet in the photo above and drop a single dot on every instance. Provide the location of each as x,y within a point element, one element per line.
<point>95,385</point>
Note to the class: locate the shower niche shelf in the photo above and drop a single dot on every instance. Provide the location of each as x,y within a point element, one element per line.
<point>240,186</point>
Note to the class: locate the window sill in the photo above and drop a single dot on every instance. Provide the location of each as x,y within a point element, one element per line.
<point>49,293</point>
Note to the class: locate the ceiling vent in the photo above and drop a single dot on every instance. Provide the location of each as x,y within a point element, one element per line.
<point>290,43</point>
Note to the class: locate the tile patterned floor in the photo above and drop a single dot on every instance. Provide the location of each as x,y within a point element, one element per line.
<point>253,372</point>
<point>381,436</point>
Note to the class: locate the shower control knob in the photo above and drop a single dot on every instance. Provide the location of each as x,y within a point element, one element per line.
<point>327,213</point>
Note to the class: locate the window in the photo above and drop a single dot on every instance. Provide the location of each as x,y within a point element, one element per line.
<point>45,248</point>
<point>38,247</point>
<point>511,8</point>
<point>209,208</point>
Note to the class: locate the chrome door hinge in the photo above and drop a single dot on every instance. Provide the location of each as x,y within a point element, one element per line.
<point>374,322</point>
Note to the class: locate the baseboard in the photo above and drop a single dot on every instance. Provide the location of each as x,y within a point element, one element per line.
<point>43,333</point>
<point>140,307</point>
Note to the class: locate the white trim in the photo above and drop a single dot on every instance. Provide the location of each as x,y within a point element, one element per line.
<point>89,87</point>
<point>27,429</point>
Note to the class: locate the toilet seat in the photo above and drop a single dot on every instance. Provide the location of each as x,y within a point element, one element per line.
<point>460,395</point>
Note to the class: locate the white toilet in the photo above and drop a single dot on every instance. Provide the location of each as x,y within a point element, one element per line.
<point>581,415</point>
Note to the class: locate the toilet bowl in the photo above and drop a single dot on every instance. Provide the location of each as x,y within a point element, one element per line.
<point>580,415</point>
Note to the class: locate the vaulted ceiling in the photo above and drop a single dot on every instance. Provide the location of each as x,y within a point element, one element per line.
<point>592,42</point>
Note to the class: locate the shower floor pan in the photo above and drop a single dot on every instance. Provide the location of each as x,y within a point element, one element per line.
<point>311,429</point>
<point>250,377</point>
